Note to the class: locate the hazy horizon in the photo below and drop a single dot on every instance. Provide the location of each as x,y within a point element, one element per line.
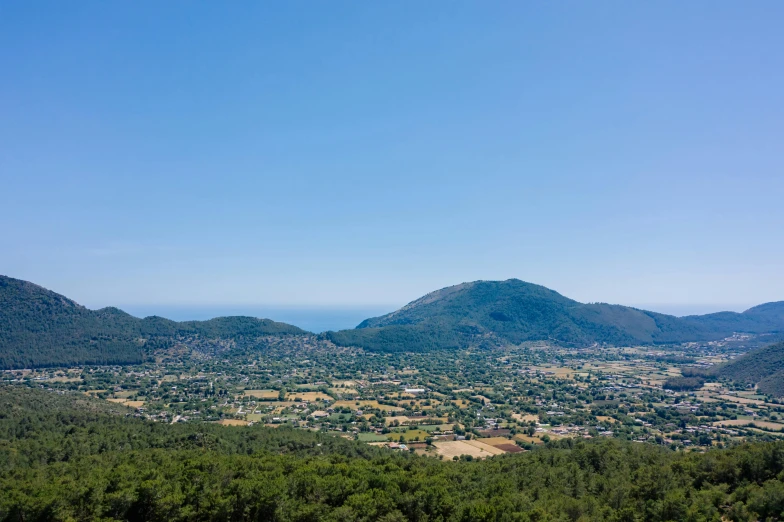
<point>373,152</point>
<point>322,318</point>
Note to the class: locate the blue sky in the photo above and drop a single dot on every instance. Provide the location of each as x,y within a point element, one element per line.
<point>361,154</point>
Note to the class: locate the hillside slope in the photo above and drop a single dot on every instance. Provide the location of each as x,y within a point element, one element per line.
<point>39,327</point>
<point>514,311</point>
<point>764,367</point>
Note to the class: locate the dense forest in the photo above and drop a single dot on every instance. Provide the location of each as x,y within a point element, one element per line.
<point>513,311</point>
<point>40,328</point>
<point>67,457</point>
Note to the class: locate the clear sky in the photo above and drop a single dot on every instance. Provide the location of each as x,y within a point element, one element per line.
<point>355,154</point>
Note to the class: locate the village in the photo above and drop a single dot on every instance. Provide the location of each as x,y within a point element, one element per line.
<point>473,404</point>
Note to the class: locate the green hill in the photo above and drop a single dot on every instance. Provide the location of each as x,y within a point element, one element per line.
<point>513,311</point>
<point>39,327</point>
<point>764,367</point>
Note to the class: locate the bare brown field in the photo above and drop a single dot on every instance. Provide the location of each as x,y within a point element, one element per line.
<point>495,441</point>
<point>262,394</point>
<point>233,422</point>
<point>774,426</point>
<point>456,448</point>
<point>525,418</point>
<point>604,418</point>
<point>347,384</point>
<point>741,400</point>
<point>126,402</point>
<point>482,446</point>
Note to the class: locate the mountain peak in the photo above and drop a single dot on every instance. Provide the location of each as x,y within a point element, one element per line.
<point>515,311</point>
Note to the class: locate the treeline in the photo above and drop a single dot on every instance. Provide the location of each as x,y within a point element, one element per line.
<point>684,383</point>
<point>693,378</point>
<point>67,457</point>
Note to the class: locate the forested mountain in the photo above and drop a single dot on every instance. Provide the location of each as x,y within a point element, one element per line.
<point>67,457</point>
<point>41,328</point>
<point>514,311</point>
<point>763,367</point>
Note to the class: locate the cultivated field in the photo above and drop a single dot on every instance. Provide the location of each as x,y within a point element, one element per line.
<point>451,449</point>
<point>495,441</point>
<point>365,404</point>
<point>773,426</point>
<point>233,422</point>
<point>126,402</point>
<point>262,394</point>
<point>308,396</point>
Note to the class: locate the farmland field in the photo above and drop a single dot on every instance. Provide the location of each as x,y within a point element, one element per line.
<point>451,449</point>
<point>365,404</point>
<point>371,437</point>
<point>773,426</point>
<point>408,435</point>
<point>308,396</point>
<point>233,422</point>
<point>262,394</point>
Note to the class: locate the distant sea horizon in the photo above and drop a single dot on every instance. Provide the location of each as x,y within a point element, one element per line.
<point>316,319</point>
<point>682,310</point>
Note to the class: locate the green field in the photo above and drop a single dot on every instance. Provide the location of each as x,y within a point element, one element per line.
<point>408,435</point>
<point>372,437</point>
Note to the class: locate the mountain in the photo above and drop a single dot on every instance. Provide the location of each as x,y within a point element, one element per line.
<point>763,367</point>
<point>764,318</point>
<point>513,311</point>
<point>39,327</point>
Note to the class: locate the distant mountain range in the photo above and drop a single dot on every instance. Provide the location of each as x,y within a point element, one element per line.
<point>41,328</point>
<point>513,311</point>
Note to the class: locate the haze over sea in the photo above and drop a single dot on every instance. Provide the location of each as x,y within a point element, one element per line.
<point>321,319</point>
<point>312,319</point>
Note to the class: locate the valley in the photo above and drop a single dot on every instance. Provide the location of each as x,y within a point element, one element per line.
<point>463,404</point>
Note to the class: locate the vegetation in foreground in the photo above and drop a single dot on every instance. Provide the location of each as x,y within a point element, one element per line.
<point>67,457</point>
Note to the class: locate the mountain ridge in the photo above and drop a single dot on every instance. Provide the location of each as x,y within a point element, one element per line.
<point>514,311</point>
<point>763,367</point>
<point>39,327</point>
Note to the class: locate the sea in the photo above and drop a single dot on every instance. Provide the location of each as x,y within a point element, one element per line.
<point>312,319</point>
